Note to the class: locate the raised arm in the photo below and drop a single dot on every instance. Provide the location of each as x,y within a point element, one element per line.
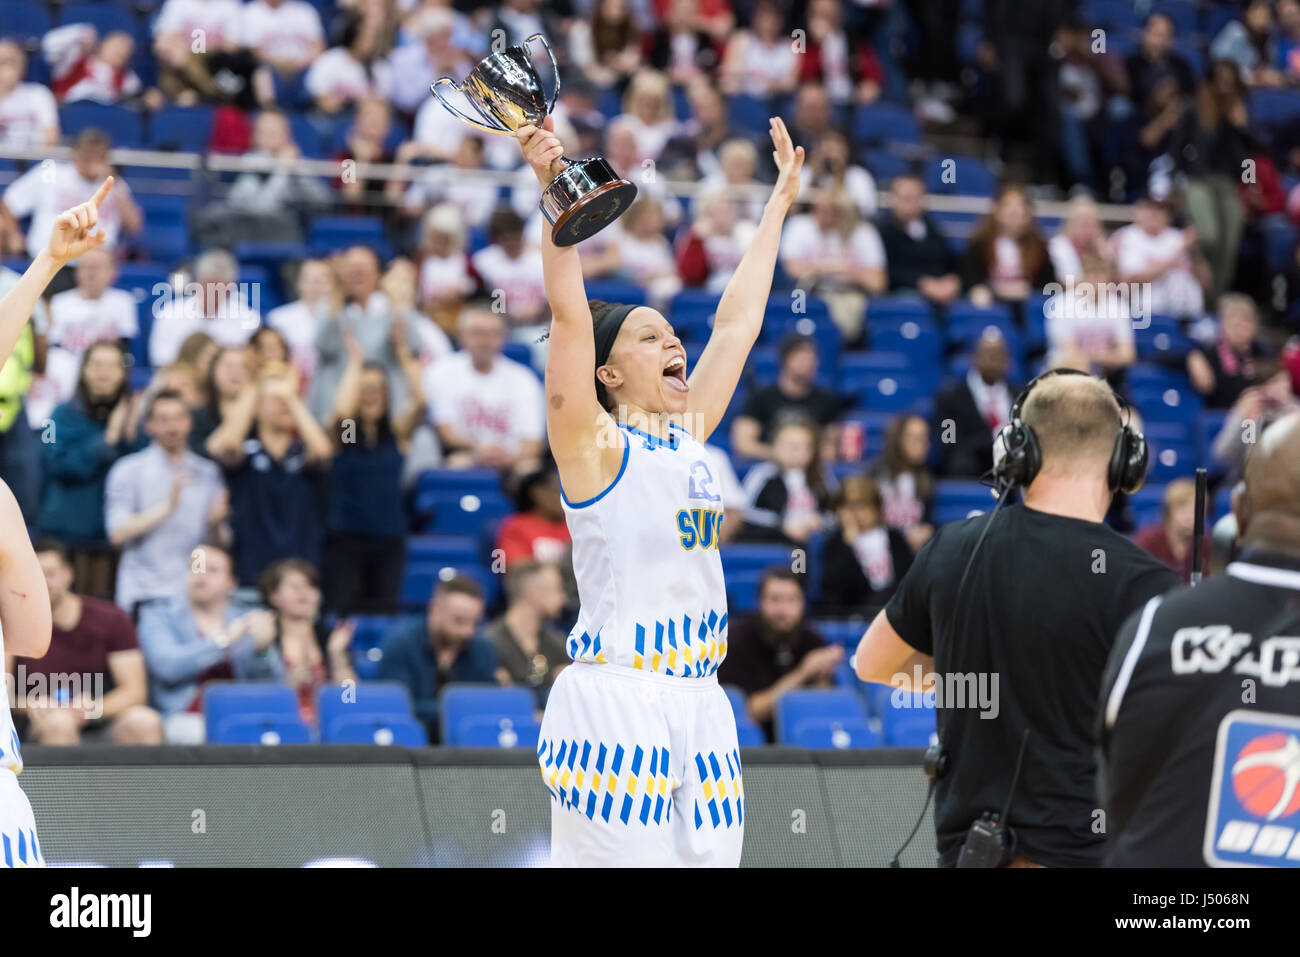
<point>744,301</point>
<point>24,602</point>
<point>72,235</point>
<point>575,421</point>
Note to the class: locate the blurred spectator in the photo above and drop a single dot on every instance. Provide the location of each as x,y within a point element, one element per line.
<point>215,303</point>
<point>788,498</point>
<point>1087,79</point>
<point>267,204</point>
<point>642,253</point>
<point>268,348</point>
<point>736,168</point>
<point>285,35</point>
<point>1080,236</point>
<point>29,116</point>
<point>850,71</point>
<point>488,409</point>
<point>830,166</point>
<point>203,634</point>
<point>795,390</point>
<point>474,198</point>
<point>607,46</point>
<point>1151,251</point>
<point>429,54</point>
<point>228,377</point>
<point>511,271</point>
<point>833,254</point>
<point>693,153</point>
<point>1090,327</point>
<point>813,116</point>
<point>199,351</point>
<point>378,311</point>
<point>91,312</point>
<point>90,637</point>
<point>445,280</point>
<point>775,651</point>
<point>367,140</point>
<point>1223,369</point>
<point>906,485</point>
<point>1170,539</point>
<point>313,654</point>
<point>679,46</point>
<point>353,68</point>
<point>300,321</point>
<point>274,455</point>
<point>969,412</point>
<point>1288,19</point>
<point>1249,45</point>
<point>442,648</point>
<point>935,67</point>
<point>530,650</point>
<point>862,558</point>
<point>1006,258</point>
<point>520,19</point>
<point>218,69</point>
<point>91,431</point>
<point>648,112</point>
<point>47,189</point>
<point>1156,58</point>
<point>760,61</point>
<point>1258,407</point>
<point>159,504</point>
<point>538,530</point>
<point>86,67</point>
<point>623,154</point>
<point>365,549</point>
<point>711,249</point>
<point>917,255</point>
<point>179,377</point>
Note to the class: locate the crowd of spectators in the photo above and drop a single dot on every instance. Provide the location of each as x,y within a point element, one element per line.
<point>222,493</point>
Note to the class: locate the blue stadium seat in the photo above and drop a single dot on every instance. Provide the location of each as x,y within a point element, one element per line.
<point>1160,338</point>
<point>459,703</point>
<point>376,699</point>
<point>486,731</point>
<point>753,113</point>
<point>401,730</point>
<point>822,734</point>
<point>742,591</point>
<point>795,707</point>
<point>419,579</point>
<point>444,549</point>
<point>461,513</point>
<point>1162,404</point>
<point>124,126</point>
<point>1274,106</point>
<point>1148,503</point>
<point>897,308</point>
<point>266,729</point>
<point>956,500</point>
<point>480,481</point>
<point>182,129</point>
<point>841,631</point>
<point>913,336</point>
<point>609,290</point>
<point>329,234</point>
<point>24,20</point>
<point>1171,460</point>
<point>882,123</point>
<point>854,365</point>
<point>764,365</point>
<point>691,313</point>
<point>1279,241</point>
<point>103,17</point>
<point>261,701</point>
<point>1208,425</point>
<point>959,176</point>
<point>366,641</point>
<point>883,392</point>
<point>1111,15</point>
<point>1145,375</point>
<point>166,233</point>
<point>885,165</point>
<point>749,736</point>
<point>914,729</point>
<point>967,322</point>
<point>753,558</point>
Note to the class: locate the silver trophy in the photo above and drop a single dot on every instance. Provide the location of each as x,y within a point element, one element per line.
<point>507,93</point>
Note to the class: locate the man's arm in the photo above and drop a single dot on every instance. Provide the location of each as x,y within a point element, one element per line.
<point>130,684</point>
<point>883,657</point>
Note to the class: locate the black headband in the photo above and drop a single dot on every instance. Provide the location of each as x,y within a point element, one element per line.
<point>607,331</point>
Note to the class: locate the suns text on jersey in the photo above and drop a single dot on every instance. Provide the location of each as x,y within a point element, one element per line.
<point>699,527</point>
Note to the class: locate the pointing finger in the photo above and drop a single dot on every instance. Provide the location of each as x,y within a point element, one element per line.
<point>102,192</point>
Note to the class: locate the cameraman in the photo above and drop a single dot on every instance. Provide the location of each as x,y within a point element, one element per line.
<point>1038,609</point>
<point>1200,706</point>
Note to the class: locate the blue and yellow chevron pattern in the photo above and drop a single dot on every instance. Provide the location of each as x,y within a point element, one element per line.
<point>11,758</point>
<point>691,648</point>
<point>21,849</point>
<point>721,792</point>
<point>609,782</point>
<point>584,647</point>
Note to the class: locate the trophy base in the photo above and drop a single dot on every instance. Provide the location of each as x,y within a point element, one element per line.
<point>584,199</point>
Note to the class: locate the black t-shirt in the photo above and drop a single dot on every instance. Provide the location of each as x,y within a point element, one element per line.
<point>1197,684</point>
<point>756,660</point>
<point>1038,613</point>
<point>821,405</point>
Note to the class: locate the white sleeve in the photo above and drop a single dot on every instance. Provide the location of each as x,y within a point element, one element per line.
<point>23,195</point>
<point>867,247</point>
<point>530,406</point>
<point>317,80</point>
<point>63,47</point>
<point>1130,257</point>
<point>128,323</point>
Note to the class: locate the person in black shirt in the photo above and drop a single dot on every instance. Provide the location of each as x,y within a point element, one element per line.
<point>775,651</point>
<point>862,558</point>
<point>968,412</point>
<point>917,254</point>
<point>795,390</point>
<point>1037,614</point>
<point>1199,716</point>
<point>1222,370</point>
<point>1156,58</point>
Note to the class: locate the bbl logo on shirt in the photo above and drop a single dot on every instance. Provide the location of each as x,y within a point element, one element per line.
<point>1254,817</point>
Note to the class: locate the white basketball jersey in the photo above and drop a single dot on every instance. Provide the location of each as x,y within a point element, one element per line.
<point>646,560</point>
<point>11,757</point>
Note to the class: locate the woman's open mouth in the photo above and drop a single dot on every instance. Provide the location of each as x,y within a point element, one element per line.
<point>675,373</point>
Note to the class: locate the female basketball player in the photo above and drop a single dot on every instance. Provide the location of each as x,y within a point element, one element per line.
<point>638,743</point>
<point>24,602</point>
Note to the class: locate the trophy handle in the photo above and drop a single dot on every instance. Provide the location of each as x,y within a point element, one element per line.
<point>554,66</point>
<point>455,112</point>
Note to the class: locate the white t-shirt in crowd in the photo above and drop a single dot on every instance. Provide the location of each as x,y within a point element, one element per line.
<point>218,19</point>
<point>1177,292</point>
<point>503,406</point>
<point>26,114</point>
<point>474,198</point>
<point>298,323</point>
<point>1093,323</point>
<point>520,280</point>
<point>76,323</point>
<point>233,325</point>
<point>445,275</point>
<point>287,32</point>
<point>436,126</point>
<point>1065,259</point>
<point>47,189</point>
<point>335,73</point>
<point>804,241</point>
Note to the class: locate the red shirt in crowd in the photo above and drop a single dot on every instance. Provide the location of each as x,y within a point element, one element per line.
<point>524,536</point>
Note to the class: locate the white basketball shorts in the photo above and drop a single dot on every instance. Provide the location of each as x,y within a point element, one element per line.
<point>643,770</point>
<point>18,844</point>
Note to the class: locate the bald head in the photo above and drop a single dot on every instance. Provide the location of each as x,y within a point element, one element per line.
<point>1269,511</point>
<point>1075,419</point>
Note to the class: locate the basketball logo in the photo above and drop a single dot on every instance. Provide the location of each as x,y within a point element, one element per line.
<point>1266,776</point>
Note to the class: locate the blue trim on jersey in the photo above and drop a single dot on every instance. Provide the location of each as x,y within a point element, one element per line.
<point>627,453</point>
<point>655,441</point>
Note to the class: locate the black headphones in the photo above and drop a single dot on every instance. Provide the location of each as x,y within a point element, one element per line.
<point>1022,457</point>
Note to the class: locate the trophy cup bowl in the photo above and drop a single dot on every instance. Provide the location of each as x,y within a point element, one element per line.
<point>507,93</point>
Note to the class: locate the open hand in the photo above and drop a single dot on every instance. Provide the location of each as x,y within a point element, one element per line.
<point>789,161</point>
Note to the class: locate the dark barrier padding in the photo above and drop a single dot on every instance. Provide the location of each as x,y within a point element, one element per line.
<point>393,807</point>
